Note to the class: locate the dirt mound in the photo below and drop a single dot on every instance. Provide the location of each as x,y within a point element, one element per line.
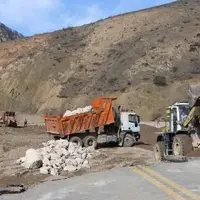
<point>158,49</point>
<point>195,153</point>
<point>148,136</point>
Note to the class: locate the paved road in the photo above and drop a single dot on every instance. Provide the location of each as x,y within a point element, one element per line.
<point>161,181</point>
<point>154,123</point>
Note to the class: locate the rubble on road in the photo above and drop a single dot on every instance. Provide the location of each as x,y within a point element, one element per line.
<point>77,111</point>
<point>12,189</point>
<point>56,156</point>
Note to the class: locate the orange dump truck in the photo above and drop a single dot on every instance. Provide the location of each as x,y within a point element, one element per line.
<point>103,124</point>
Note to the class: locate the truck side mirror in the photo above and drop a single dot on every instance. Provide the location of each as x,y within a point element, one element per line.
<point>138,119</point>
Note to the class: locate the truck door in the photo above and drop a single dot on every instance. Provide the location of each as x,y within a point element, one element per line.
<point>133,122</point>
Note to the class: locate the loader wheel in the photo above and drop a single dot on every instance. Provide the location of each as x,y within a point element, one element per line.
<point>76,140</point>
<point>159,150</point>
<point>129,140</point>
<point>182,145</point>
<point>90,141</point>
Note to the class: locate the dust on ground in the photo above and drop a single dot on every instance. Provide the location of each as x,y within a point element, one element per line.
<point>15,142</point>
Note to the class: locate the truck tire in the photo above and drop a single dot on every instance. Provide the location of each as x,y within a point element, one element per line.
<point>76,140</point>
<point>159,149</point>
<point>182,145</point>
<point>129,140</point>
<point>90,141</point>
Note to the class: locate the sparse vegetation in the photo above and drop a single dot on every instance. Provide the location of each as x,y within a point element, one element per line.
<point>122,90</point>
<point>160,80</point>
<point>58,59</point>
<point>82,44</point>
<point>81,67</point>
<point>145,64</point>
<point>193,47</point>
<point>129,82</point>
<point>186,21</point>
<point>156,116</point>
<point>112,80</point>
<point>174,69</point>
<point>162,39</point>
<point>97,63</point>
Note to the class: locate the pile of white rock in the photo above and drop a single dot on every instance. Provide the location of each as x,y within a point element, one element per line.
<point>77,111</point>
<point>56,156</point>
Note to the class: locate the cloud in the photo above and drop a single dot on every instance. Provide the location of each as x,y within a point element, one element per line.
<point>33,15</point>
<point>36,16</point>
<point>159,2</point>
<point>130,5</point>
<point>92,14</point>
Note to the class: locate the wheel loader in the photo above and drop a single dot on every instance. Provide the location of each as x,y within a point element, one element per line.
<point>183,132</point>
<point>8,118</point>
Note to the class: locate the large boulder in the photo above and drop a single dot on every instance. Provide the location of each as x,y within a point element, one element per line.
<point>33,159</point>
<point>77,111</point>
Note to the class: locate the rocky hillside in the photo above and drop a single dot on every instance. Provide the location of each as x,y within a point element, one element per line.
<point>7,34</point>
<point>145,58</point>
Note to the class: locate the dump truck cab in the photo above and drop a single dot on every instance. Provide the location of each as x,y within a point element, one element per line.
<point>130,122</point>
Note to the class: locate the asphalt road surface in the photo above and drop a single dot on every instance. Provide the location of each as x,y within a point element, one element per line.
<point>161,181</point>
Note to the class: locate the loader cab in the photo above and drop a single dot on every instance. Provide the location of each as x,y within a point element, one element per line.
<point>176,114</point>
<point>130,122</point>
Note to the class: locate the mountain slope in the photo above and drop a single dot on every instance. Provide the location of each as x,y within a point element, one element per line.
<point>7,34</point>
<point>146,59</point>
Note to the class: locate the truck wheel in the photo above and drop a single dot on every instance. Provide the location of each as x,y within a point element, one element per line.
<point>129,140</point>
<point>90,141</point>
<point>182,145</point>
<point>159,149</point>
<point>76,140</point>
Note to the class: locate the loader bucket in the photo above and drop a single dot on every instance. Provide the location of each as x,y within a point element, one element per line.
<point>194,95</point>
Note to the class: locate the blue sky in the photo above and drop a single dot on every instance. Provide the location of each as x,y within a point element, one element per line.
<point>38,16</point>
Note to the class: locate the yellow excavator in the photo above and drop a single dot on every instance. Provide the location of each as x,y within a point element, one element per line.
<point>182,135</point>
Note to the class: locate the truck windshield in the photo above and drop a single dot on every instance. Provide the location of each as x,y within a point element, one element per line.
<point>132,118</point>
<point>183,111</point>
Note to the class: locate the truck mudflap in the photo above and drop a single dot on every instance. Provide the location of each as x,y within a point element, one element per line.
<point>173,158</point>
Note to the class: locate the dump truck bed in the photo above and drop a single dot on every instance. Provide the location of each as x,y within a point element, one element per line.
<point>100,115</point>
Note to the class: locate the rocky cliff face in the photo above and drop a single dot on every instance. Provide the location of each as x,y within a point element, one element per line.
<point>7,34</point>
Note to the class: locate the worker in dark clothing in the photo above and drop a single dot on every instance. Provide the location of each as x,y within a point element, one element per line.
<point>25,122</point>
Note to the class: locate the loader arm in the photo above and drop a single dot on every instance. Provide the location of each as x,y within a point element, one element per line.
<point>189,118</point>
<point>194,101</point>
<point>195,111</point>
